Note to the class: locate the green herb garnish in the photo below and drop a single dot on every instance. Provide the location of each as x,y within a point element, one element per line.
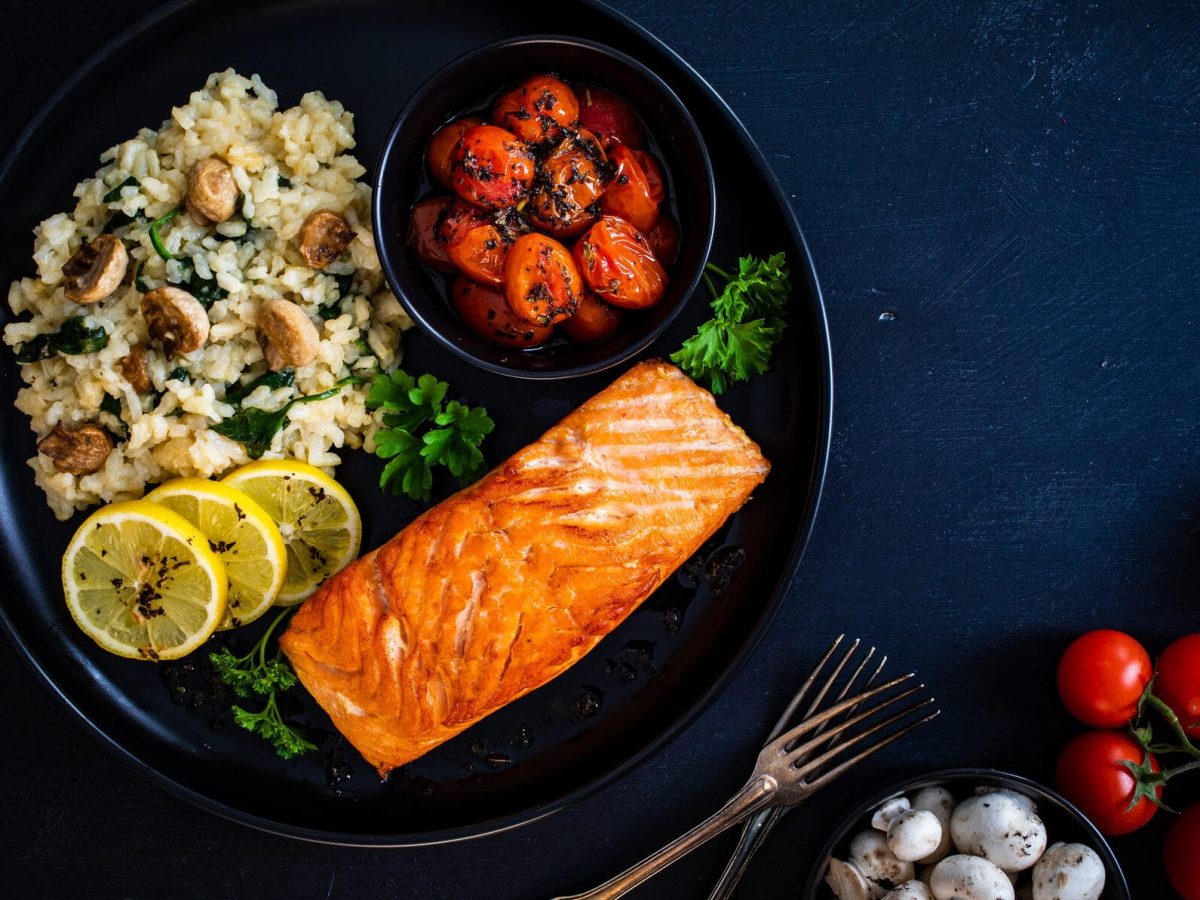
<point>421,431</point>
<point>138,281</point>
<point>158,223</point>
<point>283,181</point>
<point>118,220</point>
<point>255,428</point>
<point>115,194</point>
<point>255,674</point>
<point>179,373</point>
<point>749,316</point>
<point>72,338</point>
<point>236,393</point>
<point>333,308</point>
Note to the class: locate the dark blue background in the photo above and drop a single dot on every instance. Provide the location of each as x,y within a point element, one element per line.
<point>1015,453</point>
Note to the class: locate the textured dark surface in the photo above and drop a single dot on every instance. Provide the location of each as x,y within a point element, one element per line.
<point>1015,454</point>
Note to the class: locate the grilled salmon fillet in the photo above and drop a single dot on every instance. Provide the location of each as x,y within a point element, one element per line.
<point>504,585</point>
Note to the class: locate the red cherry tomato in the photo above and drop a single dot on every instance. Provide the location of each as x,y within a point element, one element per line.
<point>486,312</point>
<point>489,166</point>
<point>1181,853</point>
<point>571,181</point>
<point>538,109</point>
<point>441,145</point>
<point>480,254</point>
<point>1090,774</point>
<point>664,240</point>
<point>457,219</point>
<point>618,264</point>
<point>541,282</point>
<point>1101,676</point>
<point>610,118</point>
<point>422,232</point>
<point>630,195</point>
<point>593,321</point>
<point>1178,682</point>
<point>654,176</point>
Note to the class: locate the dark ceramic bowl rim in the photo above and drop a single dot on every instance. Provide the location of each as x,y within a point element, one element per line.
<point>705,230</point>
<point>1119,887</point>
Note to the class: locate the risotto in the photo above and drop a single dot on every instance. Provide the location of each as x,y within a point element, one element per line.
<point>165,422</point>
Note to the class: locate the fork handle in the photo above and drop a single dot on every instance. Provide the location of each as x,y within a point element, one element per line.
<point>757,794</point>
<point>754,834</point>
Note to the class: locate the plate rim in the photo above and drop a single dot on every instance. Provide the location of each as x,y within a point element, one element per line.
<point>824,433</point>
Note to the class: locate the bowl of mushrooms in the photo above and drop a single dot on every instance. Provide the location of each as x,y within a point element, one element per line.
<point>966,834</point>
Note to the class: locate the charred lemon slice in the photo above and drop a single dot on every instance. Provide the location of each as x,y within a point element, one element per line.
<point>142,582</point>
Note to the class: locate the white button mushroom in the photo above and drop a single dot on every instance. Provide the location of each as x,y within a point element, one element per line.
<point>1000,829</point>
<point>963,877</point>
<point>847,881</point>
<point>323,237</point>
<point>286,334</point>
<point>211,192</point>
<point>891,808</point>
<point>1068,872</point>
<point>96,269</point>
<point>1026,801</point>
<point>940,802</point>
<point>869,851</point>
<point>914,834</point>
<point>910,890</point>
<point>176,318</point>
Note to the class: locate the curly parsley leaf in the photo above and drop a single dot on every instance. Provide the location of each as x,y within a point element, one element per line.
<point>420,431</point>
<point>749,317</point>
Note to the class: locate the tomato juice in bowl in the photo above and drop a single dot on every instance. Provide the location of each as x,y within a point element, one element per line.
<point>458,300</point>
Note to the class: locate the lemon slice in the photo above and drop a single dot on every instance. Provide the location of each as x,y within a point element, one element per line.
<point>141,582</point>
<point>241,533</point>
<point>318,520</point>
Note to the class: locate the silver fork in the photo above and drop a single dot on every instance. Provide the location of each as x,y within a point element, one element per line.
<point>793,766</point>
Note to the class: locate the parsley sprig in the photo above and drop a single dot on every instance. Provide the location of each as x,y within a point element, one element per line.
<point>256,675</point>
<point>749,316</point>
<point>421,430</point>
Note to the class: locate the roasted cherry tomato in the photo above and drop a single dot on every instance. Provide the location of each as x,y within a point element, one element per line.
<point>1178,682</point>
<point>487,313</point>
<point>441,145</point>
<point>480,254</point>
<point>423,232</point>
<point>610,118</point>
<point>1101,677</point>
<point>629,195</point>
<point>1181,853</point>
<point>569,184</point>
<point>654,176</point>
<point>489,166</point>
<point>457,219</point>
<point>541,282</point>
<point>664,240</point>
<point>538,109</point>
<point>1091,775</point>
<point>593,321</point>
<point>618,264</point>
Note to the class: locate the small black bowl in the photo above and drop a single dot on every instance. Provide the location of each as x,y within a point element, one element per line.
<point>465,85</point>
<point>1063,823</point>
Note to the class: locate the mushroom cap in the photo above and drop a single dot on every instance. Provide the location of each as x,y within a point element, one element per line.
<point>176,318</point>
<point>323,237</point>
<point>286,334</point>
<point>847,881</point>
<point>211,191</point>
<point>1024,799</point>
<point>80,451</point>
<point>999,828</point>
<point>914,834</point>
<point>909,890</point>
<point>1068,872</point>
<point>888,810</point>
<point>870,852</point>
<point>96,269</point>
<point>965,877</point>
<point>940,802</point>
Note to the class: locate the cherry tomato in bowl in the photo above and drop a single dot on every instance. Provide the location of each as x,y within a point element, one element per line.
<point>664,240</point>
<point>632,195</point>
<point>480,254</point>
<point>441,145</point>
<point>491,167</point>
<point>541,282</point>
<point>538,109</point>
<point>1101,677</point>
<point>1181,853</point>
<point>610,118</point>
<point>571,180</point>
<point>1178,682</point>
<point>486,312</point>
<point>423,232</point>
<point>593,321</point>
<point>617,263</point>
<point>1092,775</point>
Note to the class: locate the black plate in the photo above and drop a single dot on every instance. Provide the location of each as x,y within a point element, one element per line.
<point>634,691</point>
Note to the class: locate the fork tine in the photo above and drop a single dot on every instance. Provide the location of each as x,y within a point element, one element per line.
<point>861,736</point>
<point>795,702</point>
<point>826,777</point>
<point>802,750</point>
<point>834,711</point>
<point>841,695</point>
